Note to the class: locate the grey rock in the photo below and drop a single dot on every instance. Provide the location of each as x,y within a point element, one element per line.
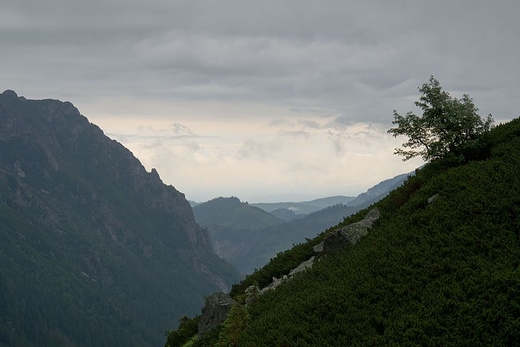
<point>349,234</point>
<point>275,283</point>
<point>432,198</point>
<point>302,267</point>
<point>318,248</point>
<point>334,242</point>
<point>252,293</point>
<point>214,312</point>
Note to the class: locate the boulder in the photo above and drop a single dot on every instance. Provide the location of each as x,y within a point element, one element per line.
<point>302,267</point>
<point>318,248</point>
<point>252,293</point>
<point>275,283</point>
<point>432,198</point>
<point>349,234</point>
<point>334,242</point>
<point>214,312</point>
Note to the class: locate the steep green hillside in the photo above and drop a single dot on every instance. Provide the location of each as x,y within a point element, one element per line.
<point>248,237</point>
<point>94,250</point>
<point>431,272</point>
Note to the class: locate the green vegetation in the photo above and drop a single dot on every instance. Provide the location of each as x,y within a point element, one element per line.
<point>235,323</point>
<point>441,267</point>
<point>94,251</point>
<point>446,125</point>
<point>249,237</point>
<point>444,273</point>
<point>184,333</point>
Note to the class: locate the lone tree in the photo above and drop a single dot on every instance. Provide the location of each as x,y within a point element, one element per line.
<point>447,124</point>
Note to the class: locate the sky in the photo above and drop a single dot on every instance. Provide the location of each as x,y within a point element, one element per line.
<point>284,100</point>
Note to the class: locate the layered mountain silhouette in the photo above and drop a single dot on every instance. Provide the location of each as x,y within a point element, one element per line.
<point>295,210</point>
<point>248,236</point>
<point>94,250</point>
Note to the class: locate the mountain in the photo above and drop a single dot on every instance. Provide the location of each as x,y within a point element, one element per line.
<point>247,236</point>
<point>94,250</point>
<point>233,225</point>
<point>270,241</point>
<point>286,214</point>
<point>232,213</point>
<point>304,207</point>
<point>435,263</point>
<point>379,190</point>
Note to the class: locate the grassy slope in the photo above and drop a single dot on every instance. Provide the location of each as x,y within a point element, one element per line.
<point>445,273</point>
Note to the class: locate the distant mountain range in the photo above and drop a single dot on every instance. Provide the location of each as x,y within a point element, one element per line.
<point>94,250</point>
<point>304,207</point>
<point>233,226</point>
<point>248,235</point>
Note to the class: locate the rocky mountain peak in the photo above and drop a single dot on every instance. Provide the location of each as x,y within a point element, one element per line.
<point>83,205</point>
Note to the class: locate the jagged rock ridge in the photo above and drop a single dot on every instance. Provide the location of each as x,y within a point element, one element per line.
<point>79,214</point>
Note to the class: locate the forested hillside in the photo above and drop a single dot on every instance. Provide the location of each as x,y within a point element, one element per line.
<point>94,250</point>
<point>440,267</point>
<point>235,227</point>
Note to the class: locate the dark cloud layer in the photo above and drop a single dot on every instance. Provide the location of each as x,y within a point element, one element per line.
<point>320,78</point>
<point>343,55</point>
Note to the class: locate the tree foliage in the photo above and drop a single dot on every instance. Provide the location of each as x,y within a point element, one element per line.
<point>234,325</point>
<point>445,127</point>
<point>187,329</point>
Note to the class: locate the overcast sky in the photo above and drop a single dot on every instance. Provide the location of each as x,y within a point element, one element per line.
<point>264,100</point>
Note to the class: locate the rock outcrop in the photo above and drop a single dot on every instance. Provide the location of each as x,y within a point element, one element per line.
<point>302,267</point>
<point>432,198</point>
<point>333,243</point>
<point>347,235</point>
<point>214,312</point>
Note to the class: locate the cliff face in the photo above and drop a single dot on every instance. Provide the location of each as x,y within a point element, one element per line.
<point>85,227</point>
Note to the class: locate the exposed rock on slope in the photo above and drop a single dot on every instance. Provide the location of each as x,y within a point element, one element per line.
<point>334,242</point>
<point>349,234</point>
<point>214,312</point>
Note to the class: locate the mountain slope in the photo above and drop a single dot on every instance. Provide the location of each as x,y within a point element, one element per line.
<point>232,213</point>
<point>94,250</point>
<point>440,267</point>
<point>248,237</point>
<point>233,226</point>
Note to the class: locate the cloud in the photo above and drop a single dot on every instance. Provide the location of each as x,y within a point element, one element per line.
<point>297,134</point>
<point>257,150</point>
<point>181,130</point>
<point>287,87</point>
